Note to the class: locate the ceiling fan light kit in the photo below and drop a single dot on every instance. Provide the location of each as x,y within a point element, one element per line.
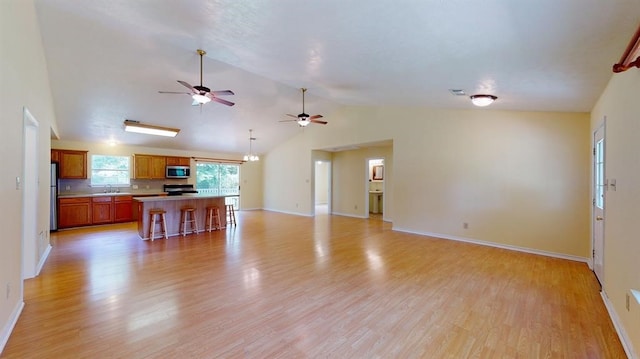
<point>482,100</point>
<point>250,156</point>
<point>137,127</point>
<point>201,94</point>
<point>304,119</point>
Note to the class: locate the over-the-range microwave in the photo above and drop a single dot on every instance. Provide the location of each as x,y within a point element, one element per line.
<point>178,172</point>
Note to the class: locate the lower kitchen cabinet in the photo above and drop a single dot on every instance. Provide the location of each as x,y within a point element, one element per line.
<point>102,210</point>
<point>123,206</point>
<point>74,212</point>
<point>85,211</point>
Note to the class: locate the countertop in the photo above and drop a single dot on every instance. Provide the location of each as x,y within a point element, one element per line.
<point>101,194</point>
<point>185,196</point>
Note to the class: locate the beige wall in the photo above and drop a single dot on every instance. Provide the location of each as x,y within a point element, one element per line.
<point>23,83</point>
<point>620,104</point>
<point>518,179</point>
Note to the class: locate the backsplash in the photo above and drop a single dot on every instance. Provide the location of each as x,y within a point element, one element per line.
<point>80,186</point>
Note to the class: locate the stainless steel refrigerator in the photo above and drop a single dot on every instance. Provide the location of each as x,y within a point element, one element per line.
<point>53,217</point>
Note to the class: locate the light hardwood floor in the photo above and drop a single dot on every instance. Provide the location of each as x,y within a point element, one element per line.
<point>283,286</point>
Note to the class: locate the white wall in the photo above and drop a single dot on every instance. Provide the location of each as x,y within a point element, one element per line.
<point>518,179</point>
<point>621,106</point>
<point>23,83</point>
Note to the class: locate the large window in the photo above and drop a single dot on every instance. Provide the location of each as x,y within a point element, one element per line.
<point>221,179</point>
<point>110,170</point>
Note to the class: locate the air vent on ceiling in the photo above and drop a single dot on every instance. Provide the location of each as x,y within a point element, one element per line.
<point>457,92</point>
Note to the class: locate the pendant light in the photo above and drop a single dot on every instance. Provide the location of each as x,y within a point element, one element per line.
<point>250,156</point>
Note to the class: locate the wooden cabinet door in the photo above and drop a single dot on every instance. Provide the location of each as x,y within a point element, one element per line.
<point>158,167</point>
<point>142,165</point>
<point>102,210</point>
<point>73,164</point>
<point>123,208</point>
<point>55,155</point>
<point>74,212</point>
<point>178,161</point>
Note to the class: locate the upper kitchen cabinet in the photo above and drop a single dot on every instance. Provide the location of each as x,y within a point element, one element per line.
<point>73,163</point>
<point>149,167</point>
<point>178,161</point>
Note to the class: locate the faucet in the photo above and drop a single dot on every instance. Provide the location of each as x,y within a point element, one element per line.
<point>110,189</point>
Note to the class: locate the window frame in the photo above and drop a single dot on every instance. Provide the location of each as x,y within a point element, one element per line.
<point>92,170</point>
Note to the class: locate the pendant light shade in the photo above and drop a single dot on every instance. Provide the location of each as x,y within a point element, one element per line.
<point>250,156</point>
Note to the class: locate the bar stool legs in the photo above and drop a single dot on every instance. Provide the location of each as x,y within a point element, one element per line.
<point>157,217</point>
<point>231,215</point>
<point>213,219</point>
<point>188,215</point>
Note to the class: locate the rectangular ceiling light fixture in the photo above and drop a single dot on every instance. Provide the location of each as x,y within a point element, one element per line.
<point>137,127</point>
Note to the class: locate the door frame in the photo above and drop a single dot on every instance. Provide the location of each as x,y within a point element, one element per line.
<point>367,183</point>
<point>30,180</point>
<point>598,217</point>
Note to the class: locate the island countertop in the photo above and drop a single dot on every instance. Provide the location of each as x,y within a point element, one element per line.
<point>173,205</point>
<point>177,198</point>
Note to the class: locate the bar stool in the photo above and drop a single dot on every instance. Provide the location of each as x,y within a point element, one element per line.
<point>188,215</point>
<point>231,214</point>
<point>157,217</point>
<point>213,219</point>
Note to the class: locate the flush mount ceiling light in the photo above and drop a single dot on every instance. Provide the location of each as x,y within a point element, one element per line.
<point>251,157</point>
<point>482,100</point>
<point>201,99</point>
<point>137,127</point>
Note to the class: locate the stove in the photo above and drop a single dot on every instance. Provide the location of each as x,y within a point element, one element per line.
<point>178,189</point>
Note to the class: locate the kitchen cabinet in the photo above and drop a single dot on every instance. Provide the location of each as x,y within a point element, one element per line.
<point>73,163</point>
<point>74,212</point>
<point>102,210</point>
<point>123,209</point>
<point>149,166</point>
<point>178,161</point>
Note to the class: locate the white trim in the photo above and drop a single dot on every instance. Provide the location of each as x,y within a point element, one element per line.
<point>8,329</point>
<point>287,212</point>
<point>622,334</point>
<point>498,245</point>
<point>350,215</point>
<point>43,259</point>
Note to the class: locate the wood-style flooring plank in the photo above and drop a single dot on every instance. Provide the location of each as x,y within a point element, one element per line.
<point>283,286</point>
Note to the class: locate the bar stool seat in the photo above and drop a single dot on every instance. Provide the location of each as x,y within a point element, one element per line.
<point>157,218</point>
<point>188,215</point>
<point>213,219</point>
<point>231,215</point>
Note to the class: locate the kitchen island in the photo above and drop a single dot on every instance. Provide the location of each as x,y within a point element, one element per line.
<point>173,204</point>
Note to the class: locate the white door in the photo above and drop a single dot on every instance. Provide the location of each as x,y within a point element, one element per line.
<point>599,190</point>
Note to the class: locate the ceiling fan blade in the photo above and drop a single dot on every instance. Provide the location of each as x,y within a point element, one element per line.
<point>288,121</point>
<point>222,93</point>
<point>175,92</point>
<point>294,116</point>
<point>219,100</point>
<point>188,86</point>
<point>320,122</point>
<point>314,117</point>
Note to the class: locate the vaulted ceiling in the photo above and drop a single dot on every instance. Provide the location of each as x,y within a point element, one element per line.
<point>107,60</point>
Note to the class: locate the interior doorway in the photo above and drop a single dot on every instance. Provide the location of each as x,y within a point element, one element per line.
<point>322,191</point>
<point>374,196</point>
<point>30,250</point>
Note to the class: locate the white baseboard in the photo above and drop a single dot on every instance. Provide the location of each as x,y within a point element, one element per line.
<point>43,259</point>
<point>13,319</point>
<point>348,215</point>
<point>498,245</point>
<point>622,334</point>
<point>287,212</point>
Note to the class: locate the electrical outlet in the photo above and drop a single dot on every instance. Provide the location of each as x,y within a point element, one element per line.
<point>135,186</point>
<point>147,186</point>
<point>465,225</point>
<point>627,304</point>
<point>67,188</point>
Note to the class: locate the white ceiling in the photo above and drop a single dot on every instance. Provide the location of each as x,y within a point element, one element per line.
<point>107,61</point>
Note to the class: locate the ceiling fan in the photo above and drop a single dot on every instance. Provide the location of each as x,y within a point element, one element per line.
<point>201,94</point>
<point>303,119</point>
